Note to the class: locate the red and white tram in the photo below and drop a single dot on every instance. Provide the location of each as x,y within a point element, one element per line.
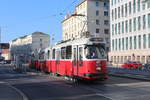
<point>83,58</point>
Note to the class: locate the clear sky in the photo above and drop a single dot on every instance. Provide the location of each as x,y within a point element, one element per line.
<point>22,17</point>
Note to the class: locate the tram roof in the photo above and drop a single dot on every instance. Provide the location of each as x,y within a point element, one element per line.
<point>80,41</point>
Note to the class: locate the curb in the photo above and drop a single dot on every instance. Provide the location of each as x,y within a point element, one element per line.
<point>137,77</point>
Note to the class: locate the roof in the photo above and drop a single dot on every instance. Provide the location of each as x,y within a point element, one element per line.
<point>34,33</point>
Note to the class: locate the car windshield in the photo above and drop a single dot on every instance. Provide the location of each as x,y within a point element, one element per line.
<point>95,52</point>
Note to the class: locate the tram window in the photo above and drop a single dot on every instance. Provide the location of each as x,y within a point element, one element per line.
<point>57,54</point>
<point>80,53</point>
<point>95,52</point>
<point>80,56</point>
<point>75,56</point>
<point>48,54</point>
<point>63,53</point>
<point>53,54</point>
<point>68,52</point>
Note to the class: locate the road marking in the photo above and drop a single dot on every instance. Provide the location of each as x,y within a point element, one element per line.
<point>17,90</point>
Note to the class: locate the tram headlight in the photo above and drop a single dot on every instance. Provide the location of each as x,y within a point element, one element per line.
<point>98,68</point>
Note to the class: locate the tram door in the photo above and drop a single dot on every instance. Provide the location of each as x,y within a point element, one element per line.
<point>77,59</point>
<point>57,60</point>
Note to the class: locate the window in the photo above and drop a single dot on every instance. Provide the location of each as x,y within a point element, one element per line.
<point>74,56</point>
<point>48,54</point>
<point>113,45</point>
<point>95,52</point>
<point>130,8</point>
<point>53,54</point>
<point>135,42</point>
<point>97,22</point>
<point>139,6</point>
<point>139,42</point>
<point>139,23</point>
<point>118,12</point>
<point>148,4</point>
<point>97,12</point>
<point>126,43</point>
<point>116,44</point>
<point>106,13</point>
<point>106,31</point>
<point>130,25</point>
<point>144,41</point>
<point>134,24</point>
<point>126,26</point>
<point>115,13</point>
<point>112,2</point>
<point>113,29</point>
<point>63,53</point>
<point>106,5</point>
<point>134,6</point>
<point>97,30</point>
<point>126,9</point>
<point>97,4</point>
<point>106,22</point>
<point>122,27</point>
<point>148,40</point>
<point>130,42</point>
<point>112,14</point>
<point>119,28</point>
<point>81,56</point>
<point>119,44</point>
<point>68,52</point>
<point>122,43</point>
<point>143,6</point>
<point>144,22</point>
<point>40,40</point>
<point>149,20</point>
<point>122,12</point>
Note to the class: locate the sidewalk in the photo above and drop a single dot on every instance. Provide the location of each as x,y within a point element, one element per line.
<point>132,74</point>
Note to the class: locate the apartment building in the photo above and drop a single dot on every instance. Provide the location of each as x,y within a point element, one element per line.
<point>29,45</point>
<point>90,17</point>
<point>130,30</point>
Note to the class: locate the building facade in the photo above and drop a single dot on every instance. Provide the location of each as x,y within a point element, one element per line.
<point>91,17</point>
<point>29,46</point>
<point>130,30</point>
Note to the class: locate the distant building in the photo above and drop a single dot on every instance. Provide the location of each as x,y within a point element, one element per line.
<point>130,30</point>
<point>29,45</point>
<point>91,17</point>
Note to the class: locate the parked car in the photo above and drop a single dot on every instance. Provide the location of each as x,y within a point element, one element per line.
<point>132,65</point>
<point>147,65</point>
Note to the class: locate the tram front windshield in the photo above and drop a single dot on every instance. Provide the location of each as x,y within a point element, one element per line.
<point>95,52</point>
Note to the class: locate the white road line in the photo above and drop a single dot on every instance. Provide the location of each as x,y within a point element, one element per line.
<point>17,90</point>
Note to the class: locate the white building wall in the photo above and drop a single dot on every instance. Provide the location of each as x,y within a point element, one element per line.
<point>77,26</point>
<point>138,54</point>
<point>28,45</point>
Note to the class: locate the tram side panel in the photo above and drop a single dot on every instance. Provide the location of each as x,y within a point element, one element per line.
<point>62,67</point>
<point>48,66</point>
<point>53,66</point>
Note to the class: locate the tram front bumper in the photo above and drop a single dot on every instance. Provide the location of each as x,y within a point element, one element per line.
<point>95,75</point>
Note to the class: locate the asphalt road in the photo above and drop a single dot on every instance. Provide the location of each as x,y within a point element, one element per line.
<point>44,87</point>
